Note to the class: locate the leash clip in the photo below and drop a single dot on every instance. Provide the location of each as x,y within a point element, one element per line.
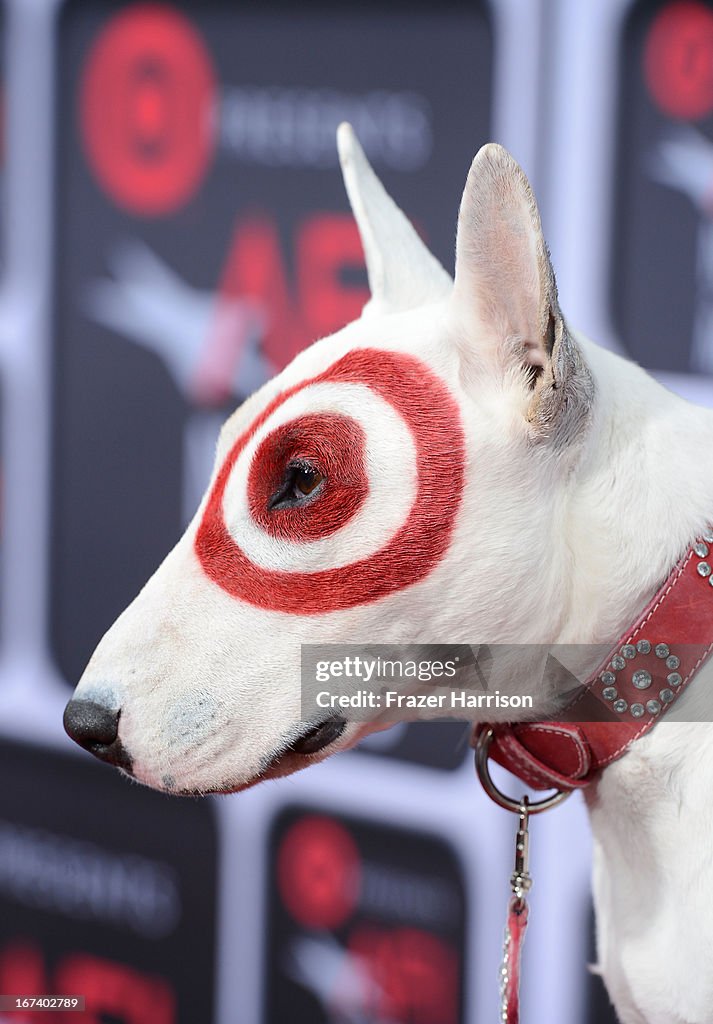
<point>518,913</point>
<point>520,879</point>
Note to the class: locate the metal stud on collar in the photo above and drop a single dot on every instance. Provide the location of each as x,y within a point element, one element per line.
<point>482,751</point>
<point>642,679</point>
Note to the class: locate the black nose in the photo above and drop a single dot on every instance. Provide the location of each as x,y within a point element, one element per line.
<point>96,728</point>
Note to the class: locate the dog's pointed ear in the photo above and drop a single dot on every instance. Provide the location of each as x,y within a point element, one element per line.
<point>505,295</point>
<point>403,274</point>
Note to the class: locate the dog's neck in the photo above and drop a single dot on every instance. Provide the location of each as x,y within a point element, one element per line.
<point>643,491</point>
<point>652,822</point>
<point>646,492</point>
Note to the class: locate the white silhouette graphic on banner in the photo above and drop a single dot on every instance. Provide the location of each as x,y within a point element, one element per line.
<point>209,344</point>
<point>341,981</point>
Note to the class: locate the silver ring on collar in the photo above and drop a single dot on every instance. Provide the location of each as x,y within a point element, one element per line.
<point>482,751</point>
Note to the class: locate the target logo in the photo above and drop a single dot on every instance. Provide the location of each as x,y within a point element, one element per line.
<point>318,872</point>
<point>678,60</point>
<point>376,446</point>
<point>416,974</point>
<point>147,109</point>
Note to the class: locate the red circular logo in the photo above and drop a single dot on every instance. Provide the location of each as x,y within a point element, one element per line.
<point>318,872</point>
<point>147,103</point>
<point>678,60</point>
<point>416,974</point>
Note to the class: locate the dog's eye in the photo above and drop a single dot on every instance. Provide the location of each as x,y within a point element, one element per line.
<point>301,481</point>
<point>307,479</point>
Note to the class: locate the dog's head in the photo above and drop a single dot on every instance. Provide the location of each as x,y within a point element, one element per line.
<point>397,482</point>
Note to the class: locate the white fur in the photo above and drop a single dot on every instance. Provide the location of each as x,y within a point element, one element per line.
<point>573,513</point>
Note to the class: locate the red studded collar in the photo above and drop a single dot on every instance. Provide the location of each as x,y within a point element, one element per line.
<point>641,678</point>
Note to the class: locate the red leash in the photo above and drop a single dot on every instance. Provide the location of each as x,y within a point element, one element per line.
<point>640,679</point>
<point>518,911</point>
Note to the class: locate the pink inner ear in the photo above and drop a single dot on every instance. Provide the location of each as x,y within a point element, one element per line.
<point>332,443</point>
<point>431,414</point>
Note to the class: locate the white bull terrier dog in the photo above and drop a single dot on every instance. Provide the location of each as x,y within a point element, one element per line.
<point>456,465</point>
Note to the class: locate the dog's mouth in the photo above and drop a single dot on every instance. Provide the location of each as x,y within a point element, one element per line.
<point>299,753</point>
<point>302,750</point>
<point>316,737</point>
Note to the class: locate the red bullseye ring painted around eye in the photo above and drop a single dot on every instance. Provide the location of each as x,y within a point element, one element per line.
<point>431,414</point>
<point>333,445</point>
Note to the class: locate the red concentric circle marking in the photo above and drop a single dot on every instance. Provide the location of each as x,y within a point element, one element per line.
<point>318,872</point>
<point>332,444</point>
<point>678,59</point>
<point>428,409</point>
<point>147,109</point>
